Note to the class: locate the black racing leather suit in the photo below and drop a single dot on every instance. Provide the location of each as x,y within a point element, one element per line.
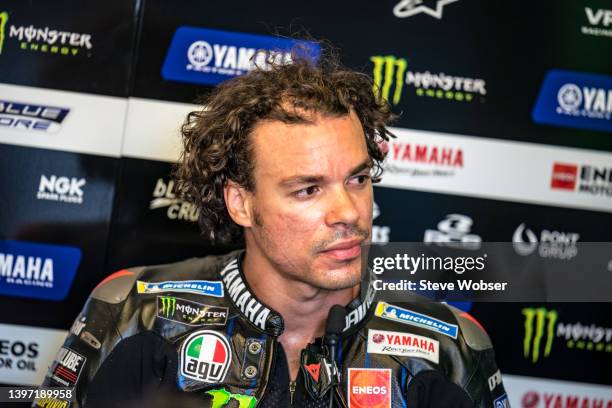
<point>193,334</point>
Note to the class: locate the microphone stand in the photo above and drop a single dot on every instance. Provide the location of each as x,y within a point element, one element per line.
<point>333,328</point>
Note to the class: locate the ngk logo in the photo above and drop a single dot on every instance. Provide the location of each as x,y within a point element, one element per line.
<point>63,189</point>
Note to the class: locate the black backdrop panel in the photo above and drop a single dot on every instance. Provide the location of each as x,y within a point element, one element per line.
<point>502,49</point>
<point>567,341</point>
<point>410,213</point>
<point>48,212</point>
<point>84,46</point>
<point>150,225</point>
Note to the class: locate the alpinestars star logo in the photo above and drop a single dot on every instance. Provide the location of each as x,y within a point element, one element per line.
<point>409,8</point>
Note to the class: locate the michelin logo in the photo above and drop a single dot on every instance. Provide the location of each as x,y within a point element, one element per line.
<point>398,314</point>
<point>208,57</point>
<point>198,287</point>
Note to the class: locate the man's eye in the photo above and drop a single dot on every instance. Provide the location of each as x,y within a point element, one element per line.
<point>306,192</point>
<point>360,179</point>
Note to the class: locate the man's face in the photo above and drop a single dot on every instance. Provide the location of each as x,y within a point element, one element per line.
<point>312,203</point>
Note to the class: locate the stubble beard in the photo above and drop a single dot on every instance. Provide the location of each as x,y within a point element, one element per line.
<point>331,280</point>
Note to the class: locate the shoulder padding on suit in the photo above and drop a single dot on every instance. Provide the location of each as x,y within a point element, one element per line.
<point>116,287</point>
<point>474,334</point>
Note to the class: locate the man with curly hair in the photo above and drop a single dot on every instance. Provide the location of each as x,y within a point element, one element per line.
<point>281,160</point>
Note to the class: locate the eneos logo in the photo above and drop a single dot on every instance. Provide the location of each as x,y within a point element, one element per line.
<point>369,388</point>
<point>208,57</point>
<point>583,179</point>
<point>205,356</point>
<point>564,176</point>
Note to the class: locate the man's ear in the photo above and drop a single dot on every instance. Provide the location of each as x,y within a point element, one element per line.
<point>238,203</point>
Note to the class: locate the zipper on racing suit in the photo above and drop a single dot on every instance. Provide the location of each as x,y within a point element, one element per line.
<point>291,392</point>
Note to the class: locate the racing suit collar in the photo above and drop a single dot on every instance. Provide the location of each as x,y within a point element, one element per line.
<point>267,319</point>
<point>237,288</point>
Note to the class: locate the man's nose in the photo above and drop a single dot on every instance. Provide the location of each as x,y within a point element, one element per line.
<point>342,208</point>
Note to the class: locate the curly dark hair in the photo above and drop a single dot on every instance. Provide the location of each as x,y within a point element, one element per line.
<point>216,138</point>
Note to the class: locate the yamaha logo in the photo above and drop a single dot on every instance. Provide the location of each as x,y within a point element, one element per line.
<point>200,54</point>
<point>569,97</point>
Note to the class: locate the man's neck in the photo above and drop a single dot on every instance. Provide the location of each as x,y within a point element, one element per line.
<point>304,308</point>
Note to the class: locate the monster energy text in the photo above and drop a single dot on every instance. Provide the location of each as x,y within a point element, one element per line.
<point>389,70</point>
<point>190,313</point>
<point>45,40</point>
<point>543,325</point>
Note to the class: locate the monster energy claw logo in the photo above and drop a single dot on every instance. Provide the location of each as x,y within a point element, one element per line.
<point>394,70</point>
<point>168,305</point>
<point>3,19</point>
<point>222,397</point>
<point>538,322</point>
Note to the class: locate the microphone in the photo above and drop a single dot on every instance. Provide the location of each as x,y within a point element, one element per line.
<point>333,329</point>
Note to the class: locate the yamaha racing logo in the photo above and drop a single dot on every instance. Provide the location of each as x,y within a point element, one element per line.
<point>34,270</point>
<point>575,99</point>
<point>208,57</point>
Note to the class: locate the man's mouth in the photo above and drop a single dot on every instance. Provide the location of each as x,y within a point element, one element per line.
<point>344,251</point>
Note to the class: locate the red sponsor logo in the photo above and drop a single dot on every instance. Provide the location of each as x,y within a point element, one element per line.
<point>564,176</point>
<point>426,154</point>
<point>533,399</point>
<point>378,338</point>
<point>408,340</point>
<point>369,388</point>
<point>314,370</point>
